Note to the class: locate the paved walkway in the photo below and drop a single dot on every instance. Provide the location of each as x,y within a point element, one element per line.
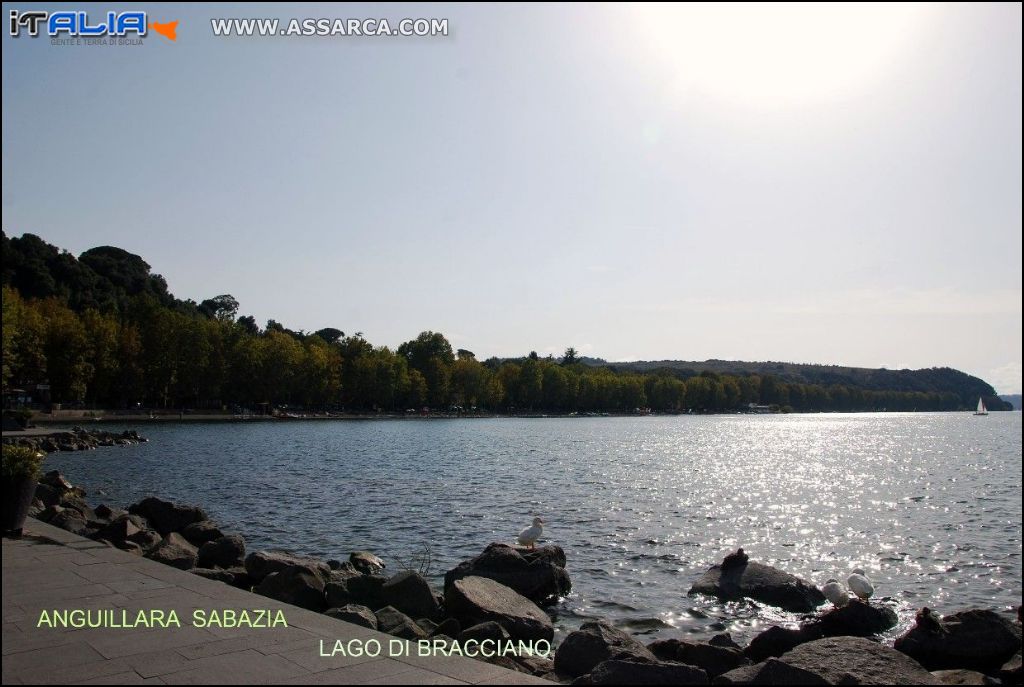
<point>53,569</point>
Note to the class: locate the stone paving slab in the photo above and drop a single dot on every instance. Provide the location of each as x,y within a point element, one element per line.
<point>52,569</point>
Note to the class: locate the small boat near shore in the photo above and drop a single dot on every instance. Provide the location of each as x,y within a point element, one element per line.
<point>982,410</point>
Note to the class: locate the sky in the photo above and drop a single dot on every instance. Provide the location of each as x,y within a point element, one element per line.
<point>826,184</point>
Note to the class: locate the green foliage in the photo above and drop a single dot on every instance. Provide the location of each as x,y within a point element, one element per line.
<point>104,330</point>
<point>20,462</point>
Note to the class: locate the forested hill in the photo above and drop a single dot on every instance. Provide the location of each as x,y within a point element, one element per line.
<point>882,379</point>
<point>102,329</point>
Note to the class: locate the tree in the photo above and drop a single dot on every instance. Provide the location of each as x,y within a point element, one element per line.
<point>223,307</point>
<point>569,358</point>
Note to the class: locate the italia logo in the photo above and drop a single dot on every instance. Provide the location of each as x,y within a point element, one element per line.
<point>74,23</point>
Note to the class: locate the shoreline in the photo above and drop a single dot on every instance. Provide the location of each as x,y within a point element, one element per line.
<point>408,606</point>
<point>167,418</point>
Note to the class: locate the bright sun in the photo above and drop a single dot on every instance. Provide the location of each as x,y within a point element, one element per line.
<point>776,55</point>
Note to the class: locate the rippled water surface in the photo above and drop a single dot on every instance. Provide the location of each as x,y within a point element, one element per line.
<point>928,504</point>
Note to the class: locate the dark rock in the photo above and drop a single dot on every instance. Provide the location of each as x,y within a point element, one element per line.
<point>166,517</point>
<point>776,641</point>
<point>411,594</point>
<point>296,585</point>
<point>146,539</point>
<point>594,643</point>
<point>76,502</point>
<point>857,619</point>
<point>450,627</point>
<point>366,562</point>
<point>394,622</point>
<point>201,532</point>
<point>735,560</point>
<point>1010,672</point>
<point>105,512</point>
<point>473,600</point>
<point>534,665</point>
<point>259,564</point>
<point>537,574</point>
<point>762,583</point>
<point>963,677</point>
<point>427,625</point>
<point>367,590</point>
<point>855,660</point>
<point>214,574</point>
<point>131,547</point>
<point>336,593</point>
<point>225,552</point>
<point>47,494</point>
<point>122,528</point>
<point>620,672</point>
<point>489,630</point>
<point>48,513</point>
<point>72,521</point>
<point>355,614</point>
<point>55,480</point>
<point>713,660</point>
<point>976,639</point>
<point>771,672</point>
<point>174,550</point>
<point>725,640</point>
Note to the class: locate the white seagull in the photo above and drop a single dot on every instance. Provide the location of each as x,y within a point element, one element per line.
<point>860,584</point>
<point>531,534</point>
<point>835,593</point>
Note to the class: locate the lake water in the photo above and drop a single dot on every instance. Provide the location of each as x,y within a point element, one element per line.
<point>928,504</point>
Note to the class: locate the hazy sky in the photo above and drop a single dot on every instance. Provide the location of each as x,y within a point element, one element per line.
<point>808,184</point>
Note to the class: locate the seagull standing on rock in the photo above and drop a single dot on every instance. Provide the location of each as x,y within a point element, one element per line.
<point>835,593</point>
<point>531,534</point>
<point>860,585</point>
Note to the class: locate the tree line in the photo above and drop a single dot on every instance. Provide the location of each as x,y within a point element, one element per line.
<point>102,330</point>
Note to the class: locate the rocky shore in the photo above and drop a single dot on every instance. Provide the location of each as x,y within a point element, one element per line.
<point>499,595</point>
<point>76,439</point>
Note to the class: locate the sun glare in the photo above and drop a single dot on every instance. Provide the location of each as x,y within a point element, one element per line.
<point>770,56</point>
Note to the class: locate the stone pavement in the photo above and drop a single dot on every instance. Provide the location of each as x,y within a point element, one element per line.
<point>53,569</point>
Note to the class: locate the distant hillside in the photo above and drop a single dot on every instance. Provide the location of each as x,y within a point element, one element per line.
<point>1012,399</point>
<point>937,379</point>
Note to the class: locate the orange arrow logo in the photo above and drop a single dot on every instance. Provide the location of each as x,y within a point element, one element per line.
<point>167,30</point>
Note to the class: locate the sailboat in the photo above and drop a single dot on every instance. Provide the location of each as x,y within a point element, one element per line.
<point>982,410</point>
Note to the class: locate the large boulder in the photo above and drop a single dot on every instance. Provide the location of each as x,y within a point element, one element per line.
<point>411,594</point>
<point>964,677</point>
<point>166,517</point>
<point>776,641</point>
<point>259,564</point>
<point>71,520</point>
<point>771,672</point>
<point>474,600</point>
<point>366,562</point>
<point>484,631</point>
<point>857,619</point>
<point>365,590</point>
<point>762,583</point>
<point>355,614</point>
<point>620,672</point>
<point>225,552</point>
<point>975,639</point>
<point>713,660</point>
<point>855,660</point>
<point>122,528</point>
<point>174,550</point>
<point>296,585</point>
<point>594,643</point>
<point>538,574</point>
<point>201,532</point>
<point>146,539</point>
<point>394,622</point>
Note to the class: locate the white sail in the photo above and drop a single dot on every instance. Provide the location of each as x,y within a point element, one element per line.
<point>981,407</point>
